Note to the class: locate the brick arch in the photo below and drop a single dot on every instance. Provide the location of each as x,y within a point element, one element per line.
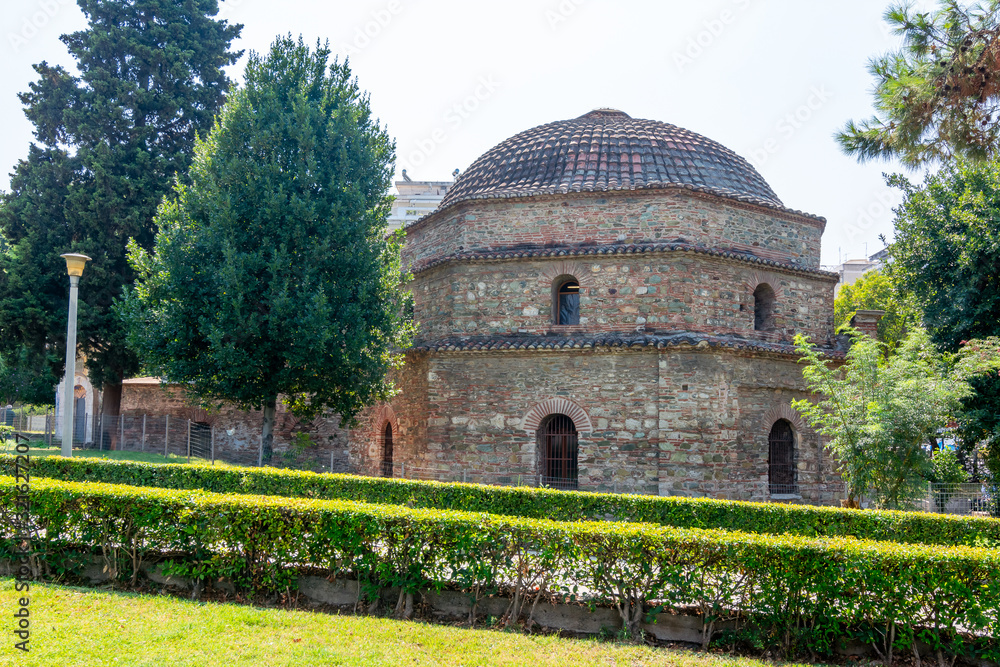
<point>783,411</point>
<point>557,406</point>
<point>385,414</point>
<point>565,267</point>
<point>755,278</point>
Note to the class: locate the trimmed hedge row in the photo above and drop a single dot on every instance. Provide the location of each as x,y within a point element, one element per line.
<point>804,593</point>
<point>777,519</point>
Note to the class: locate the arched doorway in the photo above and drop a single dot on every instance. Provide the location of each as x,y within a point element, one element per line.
<point>559,446</point>
<point>387,451</point>
<point>79,414</point>
<point>781,459</point>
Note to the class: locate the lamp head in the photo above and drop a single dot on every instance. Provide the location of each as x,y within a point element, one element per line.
<point>75,263</point>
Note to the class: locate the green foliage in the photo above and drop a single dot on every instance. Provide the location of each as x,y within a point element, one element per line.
<point>272,273</point>
<point>879,413</point>
<point>876,291</point>
<point>26,378</point>
<point>946,468</point>
<point>946,253</point>
<point>842,586</point>
<point>936,96</point>
<point>110,141</point>
<point>907,527</point>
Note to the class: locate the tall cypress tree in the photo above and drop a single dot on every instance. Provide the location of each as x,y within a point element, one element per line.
<point>272,275</point>
<point>110,139</point>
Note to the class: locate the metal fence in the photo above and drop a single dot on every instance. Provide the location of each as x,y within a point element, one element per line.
<point>965,499</point>
<point>165,435</point>
<point>187,440</point>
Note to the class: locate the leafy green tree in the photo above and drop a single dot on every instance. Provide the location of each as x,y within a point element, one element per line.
<point>878,412</point>
<point>947,255</point>
<point>272,274</point>
<point>110,139</point>
<point>936,97</point>
<point>25,378</point>
<point>876,291</point>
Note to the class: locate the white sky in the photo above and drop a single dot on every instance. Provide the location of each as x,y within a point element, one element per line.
<point>770,79</point>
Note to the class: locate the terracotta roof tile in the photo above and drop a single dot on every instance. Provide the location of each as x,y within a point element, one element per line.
<point>609,150</point>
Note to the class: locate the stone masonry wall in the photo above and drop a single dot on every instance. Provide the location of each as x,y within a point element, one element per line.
<point>240,446</point>
<point>715,414</point>
<point>661,292</point>
<point>647,216</point>
<point>674,422</point>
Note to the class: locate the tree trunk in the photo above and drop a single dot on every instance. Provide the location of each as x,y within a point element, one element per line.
<point>112,399</point>
<point>267,434</point>
<point>111,405</point>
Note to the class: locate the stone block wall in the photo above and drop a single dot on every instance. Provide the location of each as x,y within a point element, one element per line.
<point>716,412</point>
<point>636,216</point>
<point>237,432</point>
<point>672,291</point>
<point>671,422</point>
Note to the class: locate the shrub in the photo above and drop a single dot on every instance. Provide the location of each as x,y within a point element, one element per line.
<point>803,592</point>
<point>909,527</point>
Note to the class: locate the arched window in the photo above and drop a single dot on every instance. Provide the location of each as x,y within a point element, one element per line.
<point>781,459</point>
<point>763,308</point>
<point>387,451</point>
<point>559,449</point>
<point>567,301</point>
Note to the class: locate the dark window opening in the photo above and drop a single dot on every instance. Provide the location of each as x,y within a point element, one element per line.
<point>559,446</point>
<point>568,303</point>
<point>80,419</point>
<point>763,308</point>
<point>781,459</point>
<point>387,451</point>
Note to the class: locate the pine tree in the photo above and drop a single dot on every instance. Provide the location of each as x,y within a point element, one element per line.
<point>110,140</point>
<point>272,274</point>
<point>936,97</point>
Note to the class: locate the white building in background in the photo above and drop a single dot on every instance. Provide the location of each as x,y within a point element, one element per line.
<point>415,199</point>
<point>86,405</point>
<point>853,269</point>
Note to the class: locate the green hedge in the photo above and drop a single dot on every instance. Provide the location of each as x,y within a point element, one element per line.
<point>804,593</point>
<point>776,519</point>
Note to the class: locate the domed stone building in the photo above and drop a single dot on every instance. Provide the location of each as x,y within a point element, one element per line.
<point>608,304</point>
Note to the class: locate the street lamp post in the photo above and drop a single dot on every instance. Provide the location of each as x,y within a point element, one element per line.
<point>74,267</point>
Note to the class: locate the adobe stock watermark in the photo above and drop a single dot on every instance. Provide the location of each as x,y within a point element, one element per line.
<point>24,532</point>
<point>365,34</point>
<point>227,8</point>
<point>877,211</point>
<point>791,123</point>
<point>453,118</point>
<point>561,12</point>
<point>711,30</point>
<point>37,18</point>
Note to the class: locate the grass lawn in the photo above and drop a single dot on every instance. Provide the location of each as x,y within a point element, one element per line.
<point>75,626</point>
<point>144,457</point>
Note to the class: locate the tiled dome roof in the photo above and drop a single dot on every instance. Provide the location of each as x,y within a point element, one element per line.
<point>609,150</point>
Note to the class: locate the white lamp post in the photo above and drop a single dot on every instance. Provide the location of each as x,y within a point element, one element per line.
<point>74,267</point>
